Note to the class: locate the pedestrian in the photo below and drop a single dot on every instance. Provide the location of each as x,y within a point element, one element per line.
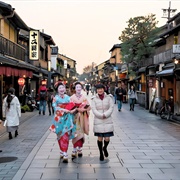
<point>102,108</point>
<point>87,88</point>
<point>119,94</point>
<point>11,112</point>
<point>50,96</point>
<point>42,98</point>
<point>132,97</point>
<point>81,119</point>
<point>115,96</point>
<point>106,86</point>
<point>93,89</point>
<point>63,120</point>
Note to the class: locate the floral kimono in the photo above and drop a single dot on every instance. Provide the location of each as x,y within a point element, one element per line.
<point>62,123</point>
<point>81,120</point>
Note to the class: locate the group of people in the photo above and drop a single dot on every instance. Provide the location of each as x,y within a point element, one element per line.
<point>119,92</point>
<point>71,119</point>
<point>12,108</point>
<point>71,115</point>
<point>45,97</point>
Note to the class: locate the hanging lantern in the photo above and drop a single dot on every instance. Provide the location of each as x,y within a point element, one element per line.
<point>21,81</point>
<point>44,82</point>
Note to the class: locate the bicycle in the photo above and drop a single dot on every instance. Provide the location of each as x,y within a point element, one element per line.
<point>165,110</point>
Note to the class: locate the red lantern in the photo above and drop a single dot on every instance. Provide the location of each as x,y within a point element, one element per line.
<point>21,81</point>
<point>44,82</point>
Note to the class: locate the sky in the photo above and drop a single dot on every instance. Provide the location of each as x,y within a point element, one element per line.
<point>85,30</point>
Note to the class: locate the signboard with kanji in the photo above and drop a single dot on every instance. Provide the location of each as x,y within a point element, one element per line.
<point>34,45</point>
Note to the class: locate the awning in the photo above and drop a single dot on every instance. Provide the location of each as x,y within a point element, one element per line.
<point>10,71</point>
<point>137,77</point>
<point>177,71</point>
<point>166,72</point>
<point>36,75</point>
<point>151,75</point>
<point>141,70</point>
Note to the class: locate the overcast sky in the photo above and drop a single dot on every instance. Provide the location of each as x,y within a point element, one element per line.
<point>85,30</point>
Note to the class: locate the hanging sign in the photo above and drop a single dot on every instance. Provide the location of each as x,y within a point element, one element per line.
<point>34,45</point>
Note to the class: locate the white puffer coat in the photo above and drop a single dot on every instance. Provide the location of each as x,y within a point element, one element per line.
<point>13,113</point>
<point>100,107</point>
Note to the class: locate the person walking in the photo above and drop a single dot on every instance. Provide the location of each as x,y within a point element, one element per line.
<point>115,96</point>
<point>132,97</point>
<point>50,96</point>
<point>119,94</point>
<point>81,119</point>
<point>102,107</point>
<point>87,88</point>
<point>63,121</point>
<point>42,98</point>
<point>11,112</point>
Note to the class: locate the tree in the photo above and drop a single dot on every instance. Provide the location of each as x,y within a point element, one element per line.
<point>86,71</point>
<point>89,68</point>
<point>138,38</point>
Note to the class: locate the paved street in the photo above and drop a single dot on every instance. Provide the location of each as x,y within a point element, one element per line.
<point>144,147</point>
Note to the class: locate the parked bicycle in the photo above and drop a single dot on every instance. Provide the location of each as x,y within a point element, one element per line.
<point>167,109</point>
<point>164,108</point>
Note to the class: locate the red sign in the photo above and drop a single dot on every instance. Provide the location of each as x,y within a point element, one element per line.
<point>151,83</point>
<point>21,81</point>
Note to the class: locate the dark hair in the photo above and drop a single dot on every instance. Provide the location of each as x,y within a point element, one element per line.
<point>76,83</point>
<point>10,97</point>
<point>59,84</point>
<point>99,86</point>
<point>133,88</point>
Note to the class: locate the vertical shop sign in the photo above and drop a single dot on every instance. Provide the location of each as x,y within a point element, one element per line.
<point>65,64</point>
<point>34,45</point>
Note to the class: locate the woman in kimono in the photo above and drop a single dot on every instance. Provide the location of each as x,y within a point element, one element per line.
<point>63,120</point>
<point>81,119</point>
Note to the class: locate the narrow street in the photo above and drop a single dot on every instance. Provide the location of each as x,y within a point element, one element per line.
<point>144,147</point>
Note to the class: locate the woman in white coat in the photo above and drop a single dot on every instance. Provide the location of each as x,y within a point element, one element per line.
<point>102,108</point>
<point>11,112</point>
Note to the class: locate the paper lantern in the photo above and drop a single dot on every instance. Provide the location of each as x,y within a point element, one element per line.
<point>21,81</point>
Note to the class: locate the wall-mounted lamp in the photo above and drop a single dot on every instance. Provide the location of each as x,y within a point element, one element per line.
<point>176,61</point>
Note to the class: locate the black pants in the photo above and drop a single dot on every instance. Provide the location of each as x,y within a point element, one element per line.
<point>50,107</point>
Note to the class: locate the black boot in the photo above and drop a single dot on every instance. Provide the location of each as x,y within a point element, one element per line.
<point>10,135</point>
<point>100,144</point>
<point>16,133</point>
<point>105,148</point>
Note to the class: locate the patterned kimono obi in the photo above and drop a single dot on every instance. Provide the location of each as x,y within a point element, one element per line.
<point>63,122</point>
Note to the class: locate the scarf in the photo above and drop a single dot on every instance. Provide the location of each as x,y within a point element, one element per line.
<point>101,96</point>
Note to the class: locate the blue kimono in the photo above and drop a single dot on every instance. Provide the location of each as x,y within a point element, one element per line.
<point>62,122</point>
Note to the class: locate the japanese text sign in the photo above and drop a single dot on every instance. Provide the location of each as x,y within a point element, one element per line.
<point>34,45</point>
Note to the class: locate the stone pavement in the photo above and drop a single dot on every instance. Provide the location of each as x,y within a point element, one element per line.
<point>144,147</point>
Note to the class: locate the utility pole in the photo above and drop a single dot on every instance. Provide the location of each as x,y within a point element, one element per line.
<point>168,12</point>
